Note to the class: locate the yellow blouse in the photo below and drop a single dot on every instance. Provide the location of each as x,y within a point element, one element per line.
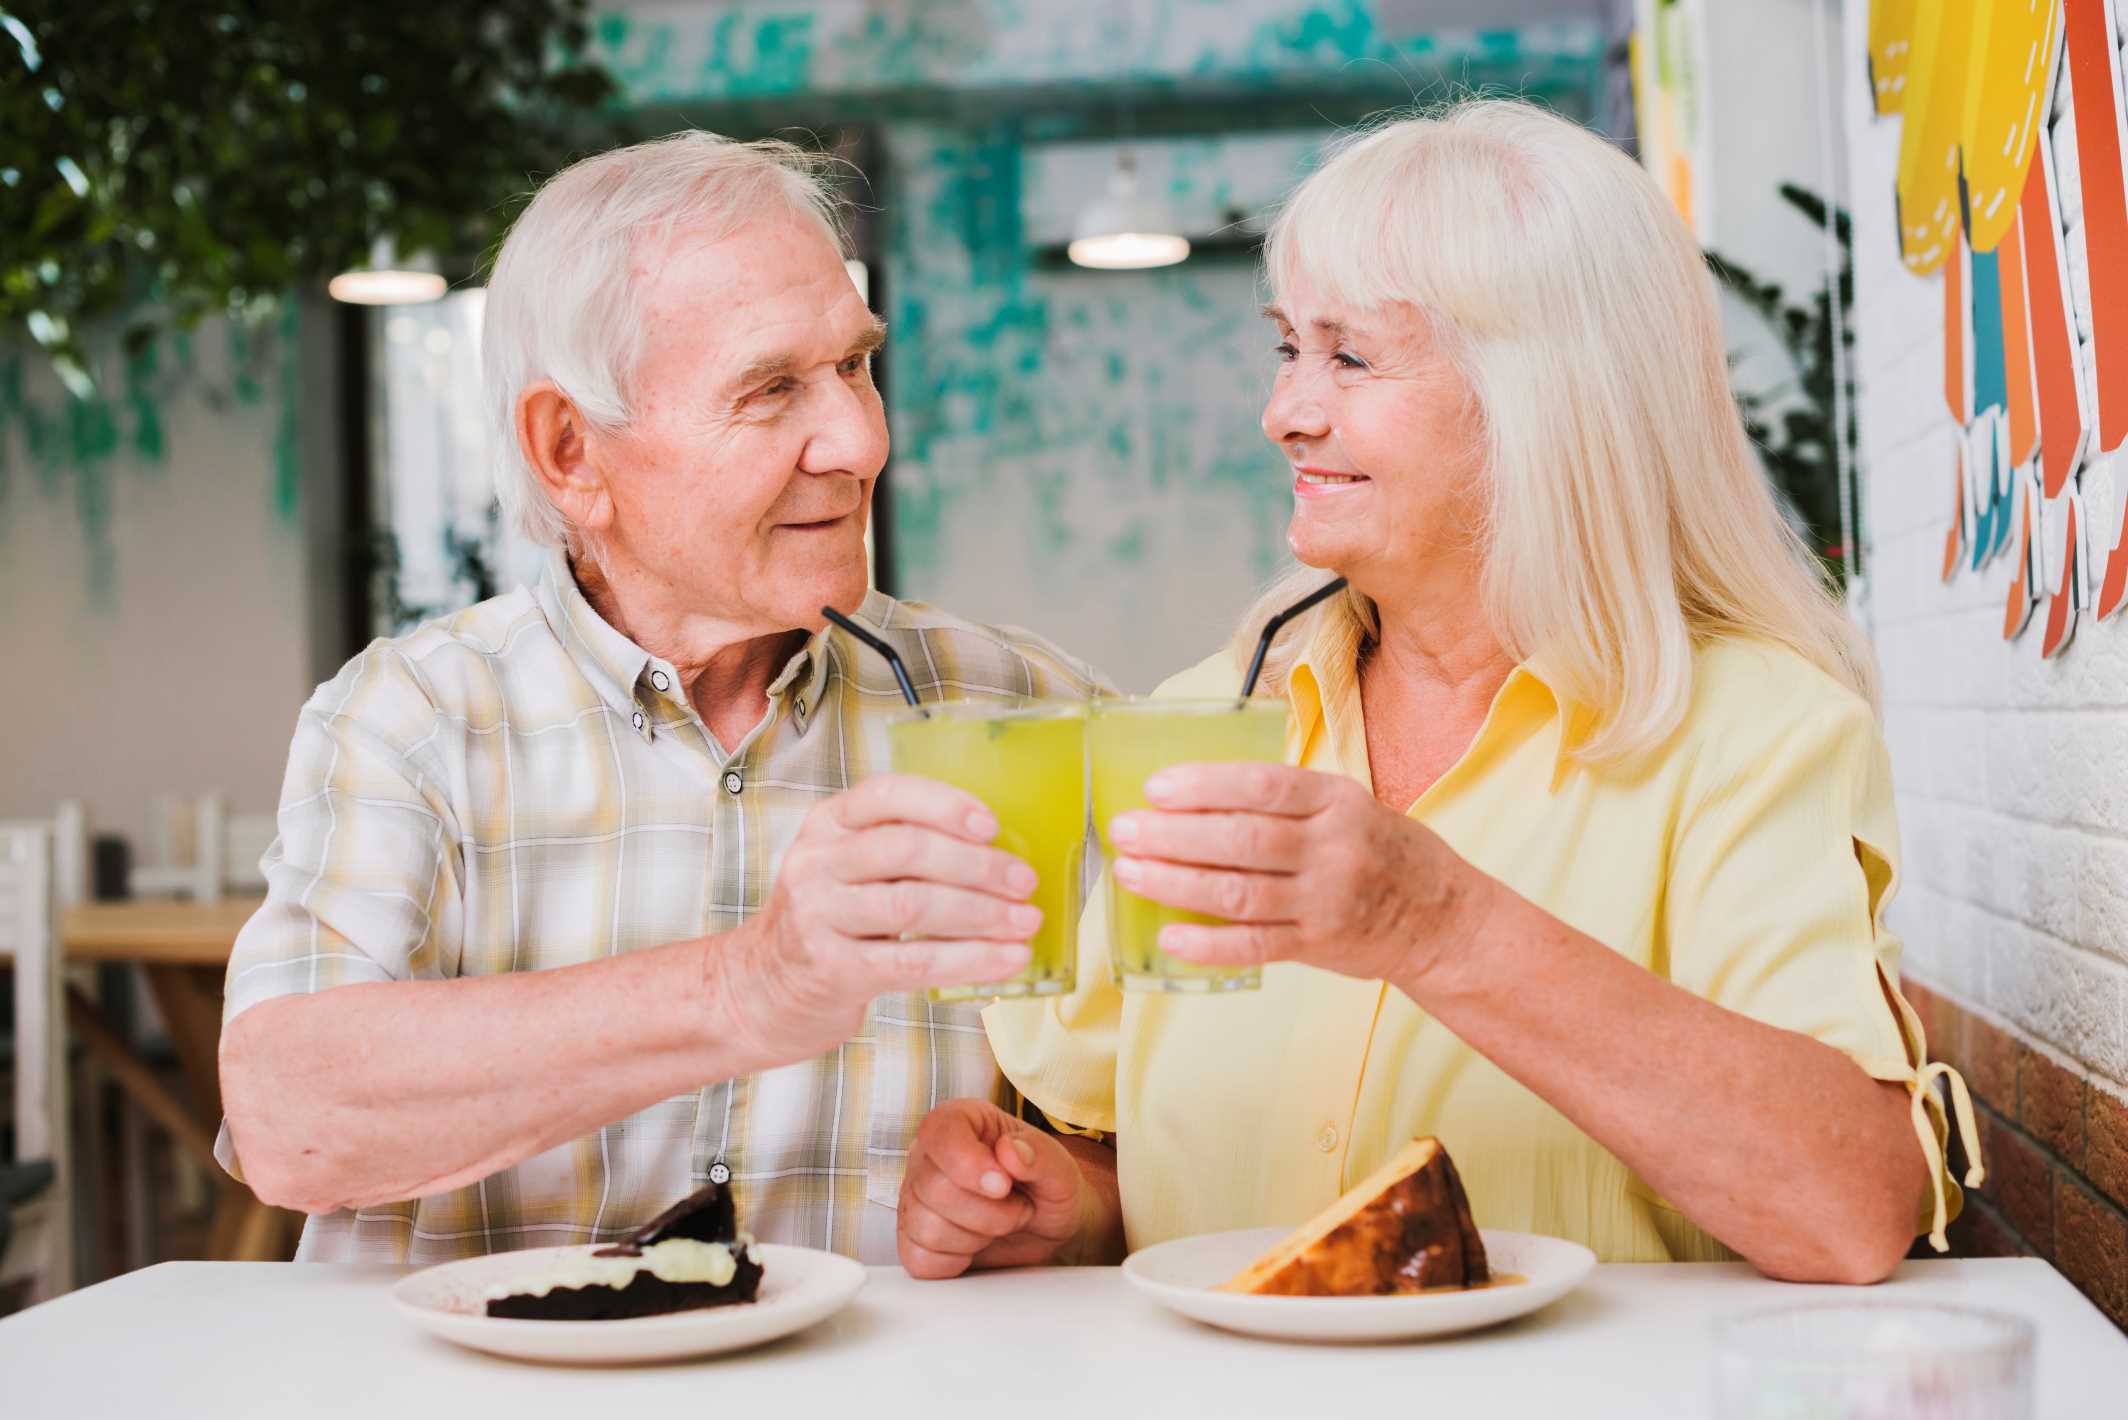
<point>1748,860</point>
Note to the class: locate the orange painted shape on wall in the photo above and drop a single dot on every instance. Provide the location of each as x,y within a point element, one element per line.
<point>2114,590</point>
<point>2047,320</point>
<point>2018,611</point>
<point>2010,63</point>
<point>2095,80</point>
<point>1955,396</point>
<point>2017,354</point>
<point>1953,540</point>
<point>2061,609</point>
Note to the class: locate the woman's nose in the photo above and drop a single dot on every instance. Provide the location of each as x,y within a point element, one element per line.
<point>1293,411</point>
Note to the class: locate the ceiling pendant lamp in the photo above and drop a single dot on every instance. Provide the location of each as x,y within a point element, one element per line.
<point>1126,230</point>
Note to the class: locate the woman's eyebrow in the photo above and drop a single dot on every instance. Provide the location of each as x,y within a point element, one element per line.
<point>1336,329</point>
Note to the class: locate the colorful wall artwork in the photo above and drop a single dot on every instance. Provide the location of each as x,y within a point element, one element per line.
<point>1669,62</point>
<point>2011,190</point>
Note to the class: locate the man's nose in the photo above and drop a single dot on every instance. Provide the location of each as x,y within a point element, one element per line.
<point>851,437</point>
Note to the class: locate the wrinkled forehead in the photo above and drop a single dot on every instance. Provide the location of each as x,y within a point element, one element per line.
<point>774,283</point>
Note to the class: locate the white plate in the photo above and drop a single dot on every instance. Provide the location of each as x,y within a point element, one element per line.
<point>1180,1275</point>
<point>799,1287</point>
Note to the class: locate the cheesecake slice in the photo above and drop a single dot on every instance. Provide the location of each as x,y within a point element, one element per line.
<point>690,1256</point>
<point>1405,1228</point>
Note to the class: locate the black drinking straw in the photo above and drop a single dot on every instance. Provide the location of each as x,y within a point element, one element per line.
<point>901,674</point>
<point>1276,624</point>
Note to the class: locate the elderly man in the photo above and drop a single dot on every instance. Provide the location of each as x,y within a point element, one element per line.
<point>591,892</point>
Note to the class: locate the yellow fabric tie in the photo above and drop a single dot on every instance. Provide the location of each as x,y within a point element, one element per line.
<point>1968,1131</point>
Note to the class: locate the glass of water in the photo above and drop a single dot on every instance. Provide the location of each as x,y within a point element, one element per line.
<point>1863,1361</point>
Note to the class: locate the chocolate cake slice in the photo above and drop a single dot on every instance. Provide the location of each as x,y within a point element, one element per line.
<point>690,1256</point>
<point>1405,1228</point>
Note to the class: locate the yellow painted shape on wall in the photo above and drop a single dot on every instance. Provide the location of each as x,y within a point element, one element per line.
<point>1936,87</point>
<point>1891,42</point>
<point>2010,58</point>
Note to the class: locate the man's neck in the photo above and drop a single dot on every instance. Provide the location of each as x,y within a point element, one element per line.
<point>726,668</point>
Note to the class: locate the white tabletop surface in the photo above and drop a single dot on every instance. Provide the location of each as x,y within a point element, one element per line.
<point>277,1339</point>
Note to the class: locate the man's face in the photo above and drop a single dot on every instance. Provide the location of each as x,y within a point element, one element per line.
<point>744,481</point>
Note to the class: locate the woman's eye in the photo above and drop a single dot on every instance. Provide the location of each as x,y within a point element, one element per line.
<point>1349,360</point>
<point>781,385</point>
<point>1285,351</point>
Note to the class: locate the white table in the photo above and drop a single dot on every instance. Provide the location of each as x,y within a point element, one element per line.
<point>277,1339</point>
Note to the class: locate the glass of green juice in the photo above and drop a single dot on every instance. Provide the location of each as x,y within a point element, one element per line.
<point>1129,741</point>
<point>1026,760</point>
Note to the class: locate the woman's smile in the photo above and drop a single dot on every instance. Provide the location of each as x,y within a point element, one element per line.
<point>1322,482</point>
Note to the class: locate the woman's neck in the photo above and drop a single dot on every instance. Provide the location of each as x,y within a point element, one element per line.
<point>1426,684</point>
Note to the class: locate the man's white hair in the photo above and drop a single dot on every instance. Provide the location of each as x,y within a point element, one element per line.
<point>563,303</point>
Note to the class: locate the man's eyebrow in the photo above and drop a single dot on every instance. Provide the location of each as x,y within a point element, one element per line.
<point>768,367</point>
<point>777,366</point>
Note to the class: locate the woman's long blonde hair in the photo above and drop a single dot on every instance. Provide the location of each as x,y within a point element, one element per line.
<point>1627,519</point>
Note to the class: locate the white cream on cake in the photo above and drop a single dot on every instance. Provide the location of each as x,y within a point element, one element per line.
<point>674,1260</point>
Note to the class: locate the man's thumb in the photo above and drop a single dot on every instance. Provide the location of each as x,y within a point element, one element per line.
<point>1016,1153</point>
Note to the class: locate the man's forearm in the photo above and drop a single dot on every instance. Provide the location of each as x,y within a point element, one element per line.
<point>380,1092</point>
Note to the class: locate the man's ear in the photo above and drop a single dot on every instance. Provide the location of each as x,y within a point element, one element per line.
<point>553,435</point>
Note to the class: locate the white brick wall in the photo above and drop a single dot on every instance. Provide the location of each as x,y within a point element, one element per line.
<point>2012,772</point>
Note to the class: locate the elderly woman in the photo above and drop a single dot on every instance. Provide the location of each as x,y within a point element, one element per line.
<point>1582,859</point>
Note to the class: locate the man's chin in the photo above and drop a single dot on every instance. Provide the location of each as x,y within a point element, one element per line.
<point>843,591</point>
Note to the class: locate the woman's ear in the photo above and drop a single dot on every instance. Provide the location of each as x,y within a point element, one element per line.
<point>553,435</point>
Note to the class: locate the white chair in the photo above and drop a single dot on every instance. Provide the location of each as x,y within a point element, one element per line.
<point>198,849</point>
<point>40,1247</point>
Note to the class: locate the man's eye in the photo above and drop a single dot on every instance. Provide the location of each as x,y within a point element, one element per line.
<point>1349,360</point>
<point>855,364</point>
<point>781,385</point>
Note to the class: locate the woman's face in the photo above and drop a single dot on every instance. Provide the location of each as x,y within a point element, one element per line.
<point>1383,438</point>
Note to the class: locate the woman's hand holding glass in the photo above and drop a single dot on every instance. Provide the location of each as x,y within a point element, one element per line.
<point>1304,866</point>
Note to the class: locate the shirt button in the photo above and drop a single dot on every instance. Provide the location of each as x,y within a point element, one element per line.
<point>662,681</point>
<point>720,1172</point>
<point>732,782</point>
<point>1327,1140</point>
<point>637,720</point>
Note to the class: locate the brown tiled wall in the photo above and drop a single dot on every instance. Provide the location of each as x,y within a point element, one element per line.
<point>2056,1149</point>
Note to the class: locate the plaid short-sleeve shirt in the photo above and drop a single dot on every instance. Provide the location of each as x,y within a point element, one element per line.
<point>519,787</point>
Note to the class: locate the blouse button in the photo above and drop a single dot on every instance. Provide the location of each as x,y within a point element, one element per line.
<point>660,680</point>
<point>733,783</point>
<point>637,720</point>
<point>1327,1140</point>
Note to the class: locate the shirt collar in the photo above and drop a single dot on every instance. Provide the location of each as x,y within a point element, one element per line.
<point>610,661</point>
<point>1322,690</point>
<point>617,666</point>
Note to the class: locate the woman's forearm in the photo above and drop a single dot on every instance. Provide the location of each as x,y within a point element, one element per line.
<point>379,1092</point>
<point>1778,1145</point>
